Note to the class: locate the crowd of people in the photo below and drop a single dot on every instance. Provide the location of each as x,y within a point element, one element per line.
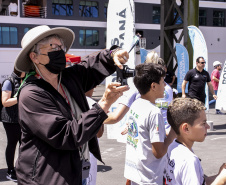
<point>48,109</point>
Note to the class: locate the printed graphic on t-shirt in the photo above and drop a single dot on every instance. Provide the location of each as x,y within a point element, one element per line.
<point>163,102</point>
<point>168,174</point>
<point>132,137</point>
<point>157,127</point>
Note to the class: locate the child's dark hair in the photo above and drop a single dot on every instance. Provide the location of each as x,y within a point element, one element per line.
<point>183,110</point>
<point>146,74</point>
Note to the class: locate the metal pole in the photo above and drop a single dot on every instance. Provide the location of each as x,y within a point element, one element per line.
<point>193,19</point>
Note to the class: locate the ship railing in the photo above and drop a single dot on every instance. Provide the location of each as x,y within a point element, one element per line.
<point>34,11</point>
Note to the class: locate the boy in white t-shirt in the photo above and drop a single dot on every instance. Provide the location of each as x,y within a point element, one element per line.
<point>146,141</point>
<point>188,119</point>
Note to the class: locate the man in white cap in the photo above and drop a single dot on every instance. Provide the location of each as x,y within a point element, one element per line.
<point>58,128</point>
<point>215,77</point>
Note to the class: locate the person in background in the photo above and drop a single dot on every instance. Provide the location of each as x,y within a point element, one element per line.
<point>9,117</point>
<point>58,127</point>
<point>215,78</point>
<point>163,103</point>
<point>13,9</point>
<point>0,101</point>
<point>91,180</point>
<point>170,77</point>
<point>197,78</point>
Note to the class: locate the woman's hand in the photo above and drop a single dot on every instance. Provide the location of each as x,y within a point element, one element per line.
<point>111,94</point>
<point>120,57</point>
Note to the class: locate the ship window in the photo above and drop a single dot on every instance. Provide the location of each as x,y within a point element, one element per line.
<point>89,37</point>
<point>26,30</point>
<point>88,9</point>
<point>218,18</point>
<point>8,35</point>
<point>202,17</point>
<point>62,7</point>
<point>156,15</point>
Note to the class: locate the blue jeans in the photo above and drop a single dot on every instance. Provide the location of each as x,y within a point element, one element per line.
<point>84,182</point>
<point>213,100</point>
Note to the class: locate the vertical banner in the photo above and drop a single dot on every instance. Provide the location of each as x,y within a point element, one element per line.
<point>221,100</point>
<point>183,66</point>
<point>199,50</point>
<point>121,26</point>
<point>120,31</point>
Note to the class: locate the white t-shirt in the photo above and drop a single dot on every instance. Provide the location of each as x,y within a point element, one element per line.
<point>164,102</point>
<point>146,126</point>
<point>129,96</point>
<point>132,94</point>
<point>183,166</point>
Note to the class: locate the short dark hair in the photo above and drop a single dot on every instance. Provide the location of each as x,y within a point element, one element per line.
<point>146,74</point>
<point>183,110</point>
<point>197,60</point>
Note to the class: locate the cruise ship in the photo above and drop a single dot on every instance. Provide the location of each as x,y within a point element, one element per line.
<point>88,20</point>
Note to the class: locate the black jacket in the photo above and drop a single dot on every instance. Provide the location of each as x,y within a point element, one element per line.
<point>50,136</point>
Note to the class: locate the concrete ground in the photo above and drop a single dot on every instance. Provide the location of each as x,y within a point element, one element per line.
<point>211,151</point>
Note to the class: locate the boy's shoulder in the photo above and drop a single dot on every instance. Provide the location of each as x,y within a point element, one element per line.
<point>145,106</point>
<point>181,154</point>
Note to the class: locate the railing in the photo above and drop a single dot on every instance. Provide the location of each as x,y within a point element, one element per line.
<point>34,11</point>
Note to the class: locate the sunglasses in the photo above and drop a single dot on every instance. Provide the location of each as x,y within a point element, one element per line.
<point>202,62</point>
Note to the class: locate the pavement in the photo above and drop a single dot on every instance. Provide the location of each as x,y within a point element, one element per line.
<point>211,151</point>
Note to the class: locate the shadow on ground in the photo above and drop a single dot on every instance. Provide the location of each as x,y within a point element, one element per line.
<point>103,168</point>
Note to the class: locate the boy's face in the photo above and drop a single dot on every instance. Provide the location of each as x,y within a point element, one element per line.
<point>198,131</point>
<point>160,88</point>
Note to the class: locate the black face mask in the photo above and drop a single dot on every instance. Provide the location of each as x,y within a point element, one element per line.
<point>57,61</point>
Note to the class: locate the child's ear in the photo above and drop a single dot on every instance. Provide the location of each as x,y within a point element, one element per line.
<point>153,85</point>
<point>185,128</point>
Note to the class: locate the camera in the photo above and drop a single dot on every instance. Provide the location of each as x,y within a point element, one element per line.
<point>123,74</point>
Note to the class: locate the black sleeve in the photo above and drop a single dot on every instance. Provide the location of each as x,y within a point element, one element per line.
<point>188,76</point>
<point>93,70</point>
